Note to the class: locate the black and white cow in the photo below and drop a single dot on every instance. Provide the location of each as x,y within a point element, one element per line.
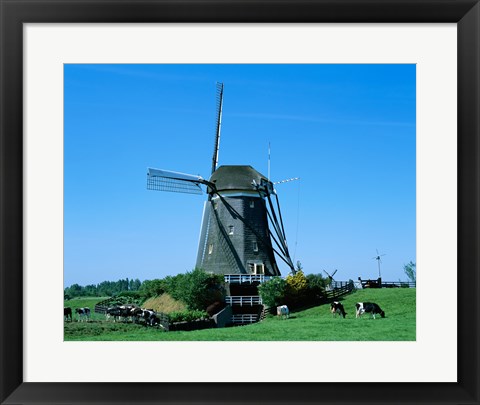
<point>369,307</point>
<point>67,313</point>
<point>282,311</point>
<point>336,308</point>
<point>113,312</point>
<point>136,313</point>
<point>126,311</point>
<point>83,314</point>
<point>150,317</point>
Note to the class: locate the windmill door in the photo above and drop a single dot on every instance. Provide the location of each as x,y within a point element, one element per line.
<point>256,268</point>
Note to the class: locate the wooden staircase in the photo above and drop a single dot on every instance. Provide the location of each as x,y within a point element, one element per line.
<point>247,305</point>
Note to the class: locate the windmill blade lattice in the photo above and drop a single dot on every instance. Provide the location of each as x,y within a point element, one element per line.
<point>218,126</point>
<point>165,180</point>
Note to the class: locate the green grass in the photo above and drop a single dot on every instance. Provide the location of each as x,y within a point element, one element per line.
<point>314,324</point>
<point>82,302</point>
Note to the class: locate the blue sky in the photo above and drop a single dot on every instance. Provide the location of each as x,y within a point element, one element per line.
<point>348,131</point>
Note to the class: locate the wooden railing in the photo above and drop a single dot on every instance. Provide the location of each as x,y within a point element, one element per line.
<point>102,306</point>
<point>399,284</point>
<point>243,300</point>
<point>164,320</point>
<point>387,284</point>
<point>340,284</point>
<point>339,292</point>
<point>375,284</point>
<point>263,314</point>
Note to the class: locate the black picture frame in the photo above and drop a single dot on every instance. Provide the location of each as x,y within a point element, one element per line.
<point>14,13</point>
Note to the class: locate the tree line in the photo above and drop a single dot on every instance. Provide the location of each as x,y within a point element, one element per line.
<point>103,289</point>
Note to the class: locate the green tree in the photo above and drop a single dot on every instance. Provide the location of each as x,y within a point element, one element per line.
<point>172,285</point>
<point>91,290</point>
<point>199,289</point>
<point>410,270</point>
<point>75,290</point>
<point>317,282</point>
<point>272,291</point>
<point>134,285</point>
<point>152,288</point>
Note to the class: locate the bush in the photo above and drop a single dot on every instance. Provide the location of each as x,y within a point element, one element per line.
<point>152,288</point>
<point>273,291</point>
<point>187,316</point>
<point>296,293</point>
<point>317,281</point>
<point>172,285</point>
<point>129,294</point>
<point>315,292</point>
<point>198,289</point>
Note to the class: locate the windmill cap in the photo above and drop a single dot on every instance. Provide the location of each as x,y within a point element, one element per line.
<point>236,178</point>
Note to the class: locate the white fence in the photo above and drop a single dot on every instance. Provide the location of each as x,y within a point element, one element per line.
<point>243,300</point>
<point>246,278</point>
<point>244,318</point>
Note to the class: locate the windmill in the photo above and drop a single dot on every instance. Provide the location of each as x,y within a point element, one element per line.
<point>330,278</point>
<point>379,260</point>
<point>241,216</point>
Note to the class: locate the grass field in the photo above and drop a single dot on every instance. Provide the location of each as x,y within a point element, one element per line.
<point>314,324</point>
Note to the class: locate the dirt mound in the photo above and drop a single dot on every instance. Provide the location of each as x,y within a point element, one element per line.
<point>164,303</point>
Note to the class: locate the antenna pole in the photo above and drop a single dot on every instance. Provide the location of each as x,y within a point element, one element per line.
<point>218,126</point>
<point>268,176</point>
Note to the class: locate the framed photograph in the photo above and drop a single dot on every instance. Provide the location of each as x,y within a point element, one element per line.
<point>362,112</point>
<point>52,53</point>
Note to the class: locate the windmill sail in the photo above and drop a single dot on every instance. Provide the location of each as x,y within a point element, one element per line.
<point>204,229</point>
<point>276,221</point>
<point>218,126</point>
<point>206,218</point>
<point>166,180</point>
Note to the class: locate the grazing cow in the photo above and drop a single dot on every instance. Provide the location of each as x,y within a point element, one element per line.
<point>113,312</point>
<point>336,308</point>
<point>126,311</point>
<point>136,313</point>
<point>282,311</point>
<point>150,317</point>
<point>83,314</point>
<point>369,307</point>
<point>67,313</point>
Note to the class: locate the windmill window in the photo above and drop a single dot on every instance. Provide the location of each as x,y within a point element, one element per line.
<point>255,246</point>
<point>210,248</point>
<point>252,203</point>
<point>231,229</point>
